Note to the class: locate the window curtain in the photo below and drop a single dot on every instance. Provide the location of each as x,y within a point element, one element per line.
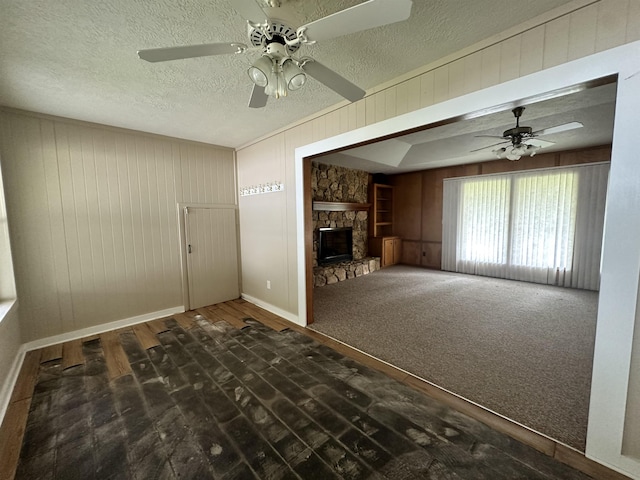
<point>542,226</point>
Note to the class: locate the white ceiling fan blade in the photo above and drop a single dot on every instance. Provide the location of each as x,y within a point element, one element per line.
<point>558,128</point>
<point>333,80</point>
<point>371,14</point>
<point>489,146</point>
<point>489,136</point>
<point>190,51</point>
<point>258,97</point>
<point>249,10</point>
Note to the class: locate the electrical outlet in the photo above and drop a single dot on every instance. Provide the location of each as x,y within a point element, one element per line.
<point>268,284</point>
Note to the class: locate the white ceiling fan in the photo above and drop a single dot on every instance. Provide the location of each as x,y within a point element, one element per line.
<point>523,139</point>
<point>276,71</point>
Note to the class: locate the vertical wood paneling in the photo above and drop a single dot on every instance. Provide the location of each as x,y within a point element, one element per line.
<point>472,69</point>
<point>352,116</point>
<point>582,32</point>
<point>93,211</point>
<point>456,79</point>
<point>381,103</point>
<point>345,113</point>
<point>490,73</point>
<point>332,124</point>
<point>361,113</point>
<point>441,84</point>
<point>510,52</point>
<point>390,102</point>
<point>612,23</point>
<point>318,125</point>
<point>556,42</point>
<point>532,54</point>
<point>633,22</point>
<point>56,247</point>
<point>427,89</point>
<point>402,93</point>
<point>370,110</point>
<point>413,93</point>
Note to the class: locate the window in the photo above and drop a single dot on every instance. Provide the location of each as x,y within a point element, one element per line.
<point>7,285</point>
<point>531,226</point>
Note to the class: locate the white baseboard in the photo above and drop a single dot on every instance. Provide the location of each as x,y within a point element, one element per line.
<point>10,381</point>
<point>103,327</point>
<point>273,309</point>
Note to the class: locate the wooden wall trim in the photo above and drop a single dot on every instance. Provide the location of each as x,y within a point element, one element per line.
<point>308,237</point>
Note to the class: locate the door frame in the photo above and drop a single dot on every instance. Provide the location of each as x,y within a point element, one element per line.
<point>182,229</point>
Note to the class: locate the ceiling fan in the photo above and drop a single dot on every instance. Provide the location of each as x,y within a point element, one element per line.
<point>276,71</point>
<point>519,136</point>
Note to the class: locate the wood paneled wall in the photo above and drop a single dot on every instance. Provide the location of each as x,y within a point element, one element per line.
<point>572,32</point>
<point>417,211</point>
<point>94,221</point>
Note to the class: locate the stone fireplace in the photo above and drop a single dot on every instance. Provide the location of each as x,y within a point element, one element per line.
<point>330,183</point>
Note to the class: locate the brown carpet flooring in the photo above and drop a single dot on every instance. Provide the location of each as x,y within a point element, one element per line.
<point>522,350</point>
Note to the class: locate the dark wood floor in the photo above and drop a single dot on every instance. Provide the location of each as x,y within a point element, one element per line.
<point>233,391</point>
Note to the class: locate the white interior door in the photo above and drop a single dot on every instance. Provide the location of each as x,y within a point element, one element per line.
<point>212,255</point>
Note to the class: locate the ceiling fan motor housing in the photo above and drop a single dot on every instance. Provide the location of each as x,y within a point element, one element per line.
<point>518,132</point>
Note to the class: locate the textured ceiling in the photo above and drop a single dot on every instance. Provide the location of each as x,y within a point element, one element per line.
<point>78,59</point>
<point>457,143</point>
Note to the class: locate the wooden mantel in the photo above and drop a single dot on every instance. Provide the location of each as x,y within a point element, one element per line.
<point>340,206</point>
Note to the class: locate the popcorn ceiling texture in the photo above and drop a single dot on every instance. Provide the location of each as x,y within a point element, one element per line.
<point>78,60</point>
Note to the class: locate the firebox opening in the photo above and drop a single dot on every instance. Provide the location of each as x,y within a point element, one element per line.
<point>335,245</point>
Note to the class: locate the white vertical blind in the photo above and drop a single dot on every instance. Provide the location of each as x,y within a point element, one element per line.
<point>484,226</point>
<point>541,226</point>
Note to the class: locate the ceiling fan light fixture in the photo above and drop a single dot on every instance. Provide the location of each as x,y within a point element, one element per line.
<point>277,86</point>
<point>511,155</point>
<point>515,152</point>
<point>261,71</point>
<point>294,76</point>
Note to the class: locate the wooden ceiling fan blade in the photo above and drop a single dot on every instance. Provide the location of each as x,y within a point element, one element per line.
<point>333,80</point>
<point>258,97</point>
<point>558,128</point>
<point>249,10</point>
<point>371,14</point>
<point>190,51</point>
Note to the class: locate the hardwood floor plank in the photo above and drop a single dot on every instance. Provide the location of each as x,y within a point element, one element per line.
<point>115,358</point>
<point>145,336</point>
<point>157,326</point>
<point>207,313</point>
<point>27,377</point>
<point>231,310</point>
<point>72,354</point>
<point>259,314</point>
<point>185,320</point>
<point>227,317</point>
<point>11,435</point>
<point>52,352</point>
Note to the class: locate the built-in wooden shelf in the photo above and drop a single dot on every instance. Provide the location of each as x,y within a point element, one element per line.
<point>340,206</point>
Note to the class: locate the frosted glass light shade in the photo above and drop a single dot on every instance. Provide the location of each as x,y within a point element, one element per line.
<point>293,75</point>
<point>260,71</point>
